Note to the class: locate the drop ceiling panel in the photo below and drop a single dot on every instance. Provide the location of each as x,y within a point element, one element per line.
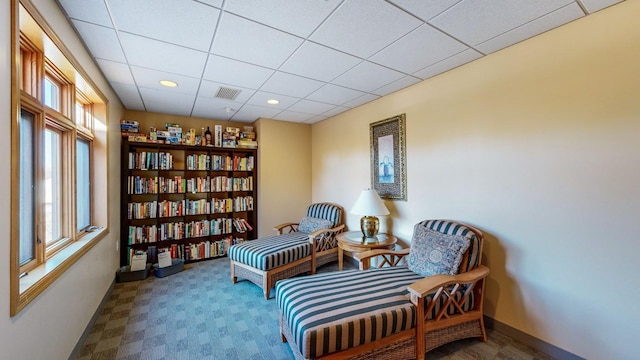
<point>448,64</point>
<point>595,5</point>
<point>333,94</point>
<point>315,119</point>
<point>162,56</point>
<point>116,72</point>
<point>168,102</point>
<point>474,22</point>
<point>310,107</point>
<point>294,116</point>
<point>245,40</point>
<point>208,107</point>
<point>216,3</point>
<point>319,62</point>
<point>396,85</point>
<point>291,85</point>
<point>425,10</point>
<point>335,111</point>
<point>185,23</point>
<point>367,76</point>
<point>93,11</point>
<point>295,17</point>
<point>238,73</point>
<point>364,27</point>
<point>422,47</point>
<point>102,42</point>
<point>150,79</point>
<point>360,100</point>
<point>251,113</point>
<point>535,27</point>
<point>129,96</point>
<point>260,99</point>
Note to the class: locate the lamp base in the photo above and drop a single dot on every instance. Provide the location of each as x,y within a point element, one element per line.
<point>369,226</point>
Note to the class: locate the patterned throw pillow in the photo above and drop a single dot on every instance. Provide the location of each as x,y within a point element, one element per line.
<point>310,224</point>
<point>433,252</point>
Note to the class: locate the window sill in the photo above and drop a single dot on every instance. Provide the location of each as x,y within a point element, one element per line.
<point>38,279</point>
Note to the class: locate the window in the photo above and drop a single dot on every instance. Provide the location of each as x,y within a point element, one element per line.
<point>57,132</point>
<point>83,190</point>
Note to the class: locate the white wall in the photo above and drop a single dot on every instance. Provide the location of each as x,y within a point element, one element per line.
<point>51,325</point>
<point>537,145</point>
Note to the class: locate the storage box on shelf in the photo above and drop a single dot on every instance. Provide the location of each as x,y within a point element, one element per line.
<point>193,201</point>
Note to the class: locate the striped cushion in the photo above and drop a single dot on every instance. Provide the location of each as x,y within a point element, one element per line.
<point>471,258</point>
<point>336,311</point>
<point>327,211</point>
<point>272,251</point>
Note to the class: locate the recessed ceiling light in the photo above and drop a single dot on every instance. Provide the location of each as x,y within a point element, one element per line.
<point>168,83</point>
<point>273,101</point>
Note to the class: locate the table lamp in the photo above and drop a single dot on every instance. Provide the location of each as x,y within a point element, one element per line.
<point>369,205</point>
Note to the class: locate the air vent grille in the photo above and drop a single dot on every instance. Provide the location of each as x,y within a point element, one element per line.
<point>227,93</point>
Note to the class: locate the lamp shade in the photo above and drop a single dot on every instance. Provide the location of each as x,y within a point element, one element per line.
<point>369,203</point>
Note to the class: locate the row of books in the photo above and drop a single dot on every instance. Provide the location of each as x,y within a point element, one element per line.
<point>189,252</point>
<point>185,230</point>
<point>146,160</point>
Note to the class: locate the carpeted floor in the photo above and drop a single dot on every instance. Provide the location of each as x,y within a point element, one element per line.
<point>200,314</point>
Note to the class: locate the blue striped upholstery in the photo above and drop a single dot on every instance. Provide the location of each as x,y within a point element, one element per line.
<point>327,211</point>
<point>472,257</point>
<point>273,251</point>
<point>336,311</point>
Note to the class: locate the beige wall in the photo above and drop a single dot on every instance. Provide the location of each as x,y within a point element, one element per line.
<point>538,146</point>
<point>284,172</point>
<point>50,326</point>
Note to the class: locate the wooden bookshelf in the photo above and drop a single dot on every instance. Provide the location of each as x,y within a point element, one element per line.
<point>194,201</point>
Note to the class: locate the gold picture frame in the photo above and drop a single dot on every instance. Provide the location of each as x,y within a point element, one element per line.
<point>388,163</point>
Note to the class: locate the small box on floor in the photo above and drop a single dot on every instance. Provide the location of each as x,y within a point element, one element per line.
<point>124,274</point>
<point>176,267</point>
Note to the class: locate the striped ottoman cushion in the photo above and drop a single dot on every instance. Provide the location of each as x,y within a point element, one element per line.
<point>337,311</point>
<point>272,251</point>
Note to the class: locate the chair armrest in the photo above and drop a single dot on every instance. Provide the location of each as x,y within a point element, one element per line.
<point>428,285</point>
<point>292,227</point>
<point>330,232</point>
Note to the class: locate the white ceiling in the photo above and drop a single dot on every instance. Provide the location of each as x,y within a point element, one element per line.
<point>317,57</point>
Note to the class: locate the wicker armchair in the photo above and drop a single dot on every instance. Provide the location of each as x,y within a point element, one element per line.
<point>390,312</point>
<point>298,248</point>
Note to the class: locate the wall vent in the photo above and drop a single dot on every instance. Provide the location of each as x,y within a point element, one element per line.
<point>227,93</point>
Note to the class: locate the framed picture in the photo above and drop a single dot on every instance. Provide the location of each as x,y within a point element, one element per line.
<point>388,164</point>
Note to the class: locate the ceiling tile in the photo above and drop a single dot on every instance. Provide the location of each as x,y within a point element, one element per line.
<point>363,27</point>
<point>250,112</point>
<point>311,107</point>
<point>102,41</point>
<point>315,119</point>
<point>129,96</point>
<point>533,28</point>
<point>293,116</point>
<point>368,76</point>
<point>396,85</point>
<point>361,100</point>
<point>237,73</point>
<point>209,107</point>
<point>291,85</point>
<point>335,111</point>
<point>595,5</point>
<point>216,3</point>
<point>150,79</point>
<point>245,40</point>
<point>116,72</point>
<point>260,99</point>
<point>157,55</point>
<point>167,102</point>
<point>172,21</point>
<point>93,11</point>
<point>319,62</point>
<point>333,94</point>
<point>420,48</point>
<point>474,22</point>
<point>208,89</point>
<point>296,17</point>
<point>425,10</point>
<point>448,64</point>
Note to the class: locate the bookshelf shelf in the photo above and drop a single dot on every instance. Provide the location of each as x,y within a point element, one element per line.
<point>193,201</point>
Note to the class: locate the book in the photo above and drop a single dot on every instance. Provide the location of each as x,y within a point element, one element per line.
<point>139,262</point>
<point>164,259</point>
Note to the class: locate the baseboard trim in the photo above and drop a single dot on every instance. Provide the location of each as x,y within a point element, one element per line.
<point>531,341</point>
<point>94,318</point>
